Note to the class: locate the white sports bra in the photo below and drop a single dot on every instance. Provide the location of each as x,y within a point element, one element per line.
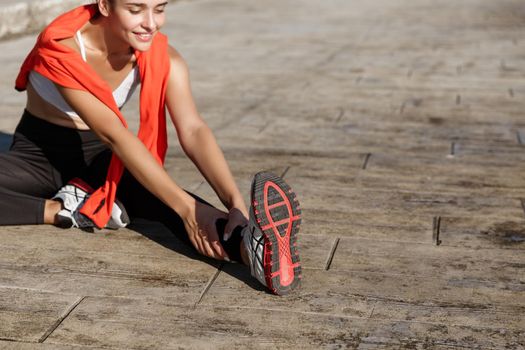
<point>47,90</point>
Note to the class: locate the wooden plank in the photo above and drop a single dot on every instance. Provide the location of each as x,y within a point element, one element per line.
<point>181,169</point>
<point>479,185</point>
<point>335,138</point>
<point>315,250</point>
<point>412,230</point>
<point>244,176</point>
<point>474,232</point>
<point>335,208</point>
<point>143,238</point>
<point>443,176</point>
<point>140,261</point>
<point>386,214</point>
<point>420,301</point>
<point>26,314</point>
<point>457,315</point>
<point>180,285</point>
<point>341,289</point>
<point>502,268</point>
<point>114,322</point>
<point>119,262</point>
<point>111,265</point>
<point>461,164</point>
<point>352,84</point>
<point>354,199</point>
<point>16,345</point>
<point>147,267</point>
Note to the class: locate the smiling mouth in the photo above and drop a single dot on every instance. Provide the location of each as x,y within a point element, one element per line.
<point>144,36</point>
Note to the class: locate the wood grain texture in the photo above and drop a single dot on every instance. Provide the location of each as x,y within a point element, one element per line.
<point>383,115</point>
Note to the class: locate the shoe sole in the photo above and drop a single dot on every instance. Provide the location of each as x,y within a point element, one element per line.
<point>277,213</point>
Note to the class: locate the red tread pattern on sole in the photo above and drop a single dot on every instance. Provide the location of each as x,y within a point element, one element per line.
<point>286,274</point>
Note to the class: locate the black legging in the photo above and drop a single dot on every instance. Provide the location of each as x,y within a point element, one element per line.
<point>44,157</point>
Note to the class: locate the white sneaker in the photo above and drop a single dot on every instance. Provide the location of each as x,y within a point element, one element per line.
<point>119,217</point>
<point>271,236</point>
<point>73,195</point>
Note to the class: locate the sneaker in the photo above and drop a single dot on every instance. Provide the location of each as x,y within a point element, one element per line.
<point>270,238</point>
<point>119,217</point>
<point>72,195</point>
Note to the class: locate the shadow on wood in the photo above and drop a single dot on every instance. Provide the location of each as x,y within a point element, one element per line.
<point>161,235</point>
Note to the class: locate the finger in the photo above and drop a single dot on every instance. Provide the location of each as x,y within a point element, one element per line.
<point>221,226</point>
<point>203,235</point>
<point>196,244</point>
<point>236,219</point>
<point>219,250</point>
<point>199,245</point>
<point>209,250</point>
<point>191,232</point>
<point>232,226</point>
<point>217,247</point>
<point>228,229</point>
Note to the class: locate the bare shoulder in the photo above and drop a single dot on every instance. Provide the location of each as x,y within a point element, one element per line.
<point>178,64</point>
<point>174,54</point>
<point>179,98</point>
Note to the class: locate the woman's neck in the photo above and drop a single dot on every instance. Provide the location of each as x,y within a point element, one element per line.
<point>99,38</point>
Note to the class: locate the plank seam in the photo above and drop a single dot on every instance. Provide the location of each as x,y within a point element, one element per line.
<point>373,309</point>
<point>198,186</point>
<point>209,284</point>
<point>331,254</point>
<point>340,115</point>
<point>14,340</point>
<point>436,230</point>
<point>519,137</point>
<point>366,160</point>
<point>285,172</point>
<point>61,319</point>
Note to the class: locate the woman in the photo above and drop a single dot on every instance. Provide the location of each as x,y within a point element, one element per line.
<point>72,139</point>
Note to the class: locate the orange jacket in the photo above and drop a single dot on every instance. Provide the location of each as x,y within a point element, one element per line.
<point>65,67</point>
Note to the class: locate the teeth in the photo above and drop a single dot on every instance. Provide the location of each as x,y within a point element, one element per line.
<point>144,36</point>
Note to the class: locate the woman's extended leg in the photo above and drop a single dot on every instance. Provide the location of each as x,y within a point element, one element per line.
<point>140,203</point>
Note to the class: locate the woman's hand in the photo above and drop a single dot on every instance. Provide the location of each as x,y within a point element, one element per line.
<point>236,218</point>
<point>200,224</point>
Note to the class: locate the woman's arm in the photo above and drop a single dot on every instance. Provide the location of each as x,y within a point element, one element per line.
<point>143,166</point>
<point>199,144</point>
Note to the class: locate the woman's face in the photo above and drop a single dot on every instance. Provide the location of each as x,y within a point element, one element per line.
<point>137,21</point>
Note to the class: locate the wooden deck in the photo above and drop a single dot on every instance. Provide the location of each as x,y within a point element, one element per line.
<point>399,123</point>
